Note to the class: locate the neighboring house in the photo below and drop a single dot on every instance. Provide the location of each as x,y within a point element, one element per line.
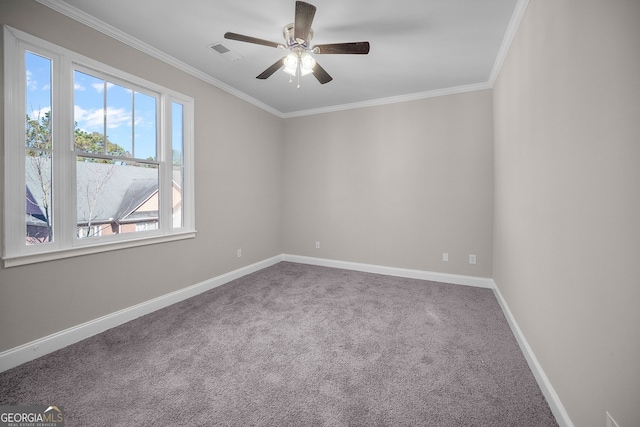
<point>37,226</point>
<point>111,199</point>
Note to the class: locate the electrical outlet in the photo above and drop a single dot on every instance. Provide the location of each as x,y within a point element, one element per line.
<point>239,253</point>
<point>445,256</point>
<point>317,245</point>
<point>472,259</point>
<point>610,421</point>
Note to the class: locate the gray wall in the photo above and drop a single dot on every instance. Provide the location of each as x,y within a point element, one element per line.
<point>567,200</point>
<point>541,182</point>
<point>238,200</point>
<point>393,185</point>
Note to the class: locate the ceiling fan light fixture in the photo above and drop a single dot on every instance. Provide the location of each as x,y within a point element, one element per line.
<point>291,64</point>
<point>307,62</point>
<point>297,36</point>
<point>304,72</point>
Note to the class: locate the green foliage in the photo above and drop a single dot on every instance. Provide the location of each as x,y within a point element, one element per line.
<point>38,139</point>
<point>38,134</point>
<point>94,143</point>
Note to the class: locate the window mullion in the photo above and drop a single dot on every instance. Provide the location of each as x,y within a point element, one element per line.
<point>164,151</point>
<point>104,119</point>
<point>64,164</point>
<point>188,176</point>
<point>133,124</point>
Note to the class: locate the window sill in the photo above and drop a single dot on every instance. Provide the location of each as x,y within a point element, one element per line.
<point>87,250</point>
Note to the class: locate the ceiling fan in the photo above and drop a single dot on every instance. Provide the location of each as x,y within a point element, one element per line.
<point>297,36</point>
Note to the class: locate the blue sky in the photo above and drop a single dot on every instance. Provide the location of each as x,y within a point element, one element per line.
<point>130,116</point>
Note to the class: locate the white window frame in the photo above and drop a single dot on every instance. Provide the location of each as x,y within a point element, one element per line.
<point>65,243</point>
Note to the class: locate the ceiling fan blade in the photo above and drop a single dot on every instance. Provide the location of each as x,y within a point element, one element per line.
<point>269,71</point>
<point>320,74</point>
<point>304,18</point>
<point>357,48</point>
<point>254,40</point>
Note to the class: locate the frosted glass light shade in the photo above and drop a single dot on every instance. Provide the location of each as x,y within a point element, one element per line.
<point>291,64</point>
<point>307,62</point>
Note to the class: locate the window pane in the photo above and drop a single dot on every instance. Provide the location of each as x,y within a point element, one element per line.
<point>38,142</point>
<point>145,124</point>
<point>119,121</point>
<point>88,112</point>
<point>39,197</point>
<point>114,197</point>
<point>177,141</point>
<point>38,101</point>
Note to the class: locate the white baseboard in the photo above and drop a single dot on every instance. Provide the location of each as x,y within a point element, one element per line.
<point>562,417</point>
<point>456,279</point>
<point>34,349</point>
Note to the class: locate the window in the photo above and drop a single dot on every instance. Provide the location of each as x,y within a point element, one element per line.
<point>95,159</point>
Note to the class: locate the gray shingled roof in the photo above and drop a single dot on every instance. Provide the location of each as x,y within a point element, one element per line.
<point>106,192</point>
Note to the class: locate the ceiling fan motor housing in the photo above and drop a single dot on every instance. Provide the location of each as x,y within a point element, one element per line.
<point>291,42</point>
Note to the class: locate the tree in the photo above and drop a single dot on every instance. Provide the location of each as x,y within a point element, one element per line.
<point>39,150</point>
<point>38,143</point>
<point>90,190</point>
<point>38,133</point>
<point>94,143</point>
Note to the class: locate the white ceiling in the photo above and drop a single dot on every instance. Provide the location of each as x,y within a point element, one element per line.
<point>418,47</point>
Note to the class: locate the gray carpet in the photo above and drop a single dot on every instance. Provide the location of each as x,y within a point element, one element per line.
<point>297,345</point>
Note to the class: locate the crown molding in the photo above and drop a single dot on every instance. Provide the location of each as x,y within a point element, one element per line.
<point>514,24</point>
<point>109,30</point>
<point>391,100</point>
<point>113,32</point>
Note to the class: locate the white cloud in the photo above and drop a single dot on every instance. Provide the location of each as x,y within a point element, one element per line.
<point>117,117</point>
<point>89,120</point>
<point>39,113</point>
<point>99,87</point>
<point>78,86</point>
<point>92,120</point>
<point>31,83</point>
